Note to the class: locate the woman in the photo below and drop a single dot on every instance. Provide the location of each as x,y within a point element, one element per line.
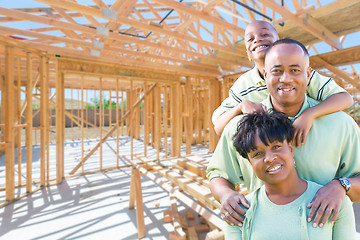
<point>278,209</point>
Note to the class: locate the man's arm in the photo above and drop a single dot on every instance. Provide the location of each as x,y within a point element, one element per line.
<point>334,103</point>
<point>329,199</point>
<point>224,192</point>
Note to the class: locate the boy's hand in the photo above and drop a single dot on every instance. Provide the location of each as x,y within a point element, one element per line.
<point>302,126</point>
<point>327,200</point>
<point>251,107</point>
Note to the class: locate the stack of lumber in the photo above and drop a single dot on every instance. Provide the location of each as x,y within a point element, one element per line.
<point>189,185</point>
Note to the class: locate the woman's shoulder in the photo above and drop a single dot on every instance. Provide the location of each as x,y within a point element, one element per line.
<point>313,186</point>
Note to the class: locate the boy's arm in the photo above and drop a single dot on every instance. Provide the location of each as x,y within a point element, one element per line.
<point>242,108</point>
<point>333,103</point>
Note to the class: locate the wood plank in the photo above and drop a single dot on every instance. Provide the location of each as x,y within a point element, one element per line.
<point>9,122</point>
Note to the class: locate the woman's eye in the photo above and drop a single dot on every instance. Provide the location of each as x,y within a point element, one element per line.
<point>257,154</point>
<point>276,147</point>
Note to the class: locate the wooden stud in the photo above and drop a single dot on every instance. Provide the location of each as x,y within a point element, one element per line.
<point>82,121</point>
<point>29,122</point>
<point>9,123</point>
<point>101,115</point>
<point>43,120</point>
<point>139,204</point>
<point>189,117</point>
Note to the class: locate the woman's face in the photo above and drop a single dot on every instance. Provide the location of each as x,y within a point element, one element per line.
<point>273,163</point>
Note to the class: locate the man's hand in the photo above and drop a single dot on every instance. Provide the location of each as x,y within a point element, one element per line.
<point>302,126</point>
<point>327,200</point>
<point>230,209</point>
<point>251,107</point>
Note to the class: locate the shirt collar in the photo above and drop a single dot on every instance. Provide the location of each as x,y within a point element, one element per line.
<point>267,103</point>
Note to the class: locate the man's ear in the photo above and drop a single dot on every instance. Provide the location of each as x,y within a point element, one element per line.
<point>308,72</point>
<point>264,73</point>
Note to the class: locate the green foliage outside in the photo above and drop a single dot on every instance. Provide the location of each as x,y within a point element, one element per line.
<point>106,104</point>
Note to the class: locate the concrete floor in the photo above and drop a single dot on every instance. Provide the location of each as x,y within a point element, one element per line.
<point>93,207</point>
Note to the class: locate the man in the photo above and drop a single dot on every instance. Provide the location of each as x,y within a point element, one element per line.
<point>250,89</point>
<point>332,148</point>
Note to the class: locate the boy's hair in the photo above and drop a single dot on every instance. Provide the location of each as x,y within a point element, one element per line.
<point>288,41</point>
<point>269,127</point>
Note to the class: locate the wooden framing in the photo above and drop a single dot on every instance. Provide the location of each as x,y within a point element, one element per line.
<point>165,75</point>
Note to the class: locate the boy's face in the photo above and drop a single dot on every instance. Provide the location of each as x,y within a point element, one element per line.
<point>287,73</point>
<point>259,35</point>
<point>274,163</point>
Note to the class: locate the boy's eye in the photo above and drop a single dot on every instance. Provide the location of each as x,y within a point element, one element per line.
<point>250,39</point>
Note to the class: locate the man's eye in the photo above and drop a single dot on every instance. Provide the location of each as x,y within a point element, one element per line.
<point>295,70</point>
<point>275,71</point>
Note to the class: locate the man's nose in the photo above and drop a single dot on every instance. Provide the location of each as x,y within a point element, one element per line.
<point>285,77</point>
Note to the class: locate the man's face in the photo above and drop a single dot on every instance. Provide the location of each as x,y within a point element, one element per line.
<point>287,73</point>
<point>259,36</point>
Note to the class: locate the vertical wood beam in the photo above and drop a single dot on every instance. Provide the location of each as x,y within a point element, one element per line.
<point>43,119</point>
<point>29,122</point>
<point>129,123</point>
<point>101,115</point>
<point>117,123</point>
<point>60,123</point>
<point>136,194</point>
<point>146,120</point>
<point>9,123</point>
<point>189,115</point>
<point>157,116</point>
<point>82,121</point>
<point>215,101</point>
<point>18,115</point>
<point>175,120</point>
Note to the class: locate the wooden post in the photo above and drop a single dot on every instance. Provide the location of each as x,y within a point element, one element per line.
<point>146,120</point>
<point>82,121</point>
<point>43,119</point>
<point>189,115</point>
<point>29,122</point>
<point>9,123</point>
<point>60,124</point>
<point>136,196</point>
<point>175,120</point>
<point>129,124</point>
<point>101,115</point>
<point>47,121</point>
<point>215,101</point>
<point>157,117</point>
<point>18,115</point>
<point>117,123</point>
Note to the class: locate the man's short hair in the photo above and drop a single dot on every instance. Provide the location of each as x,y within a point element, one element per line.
<point>269,127</point>
<point>288,41</point>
